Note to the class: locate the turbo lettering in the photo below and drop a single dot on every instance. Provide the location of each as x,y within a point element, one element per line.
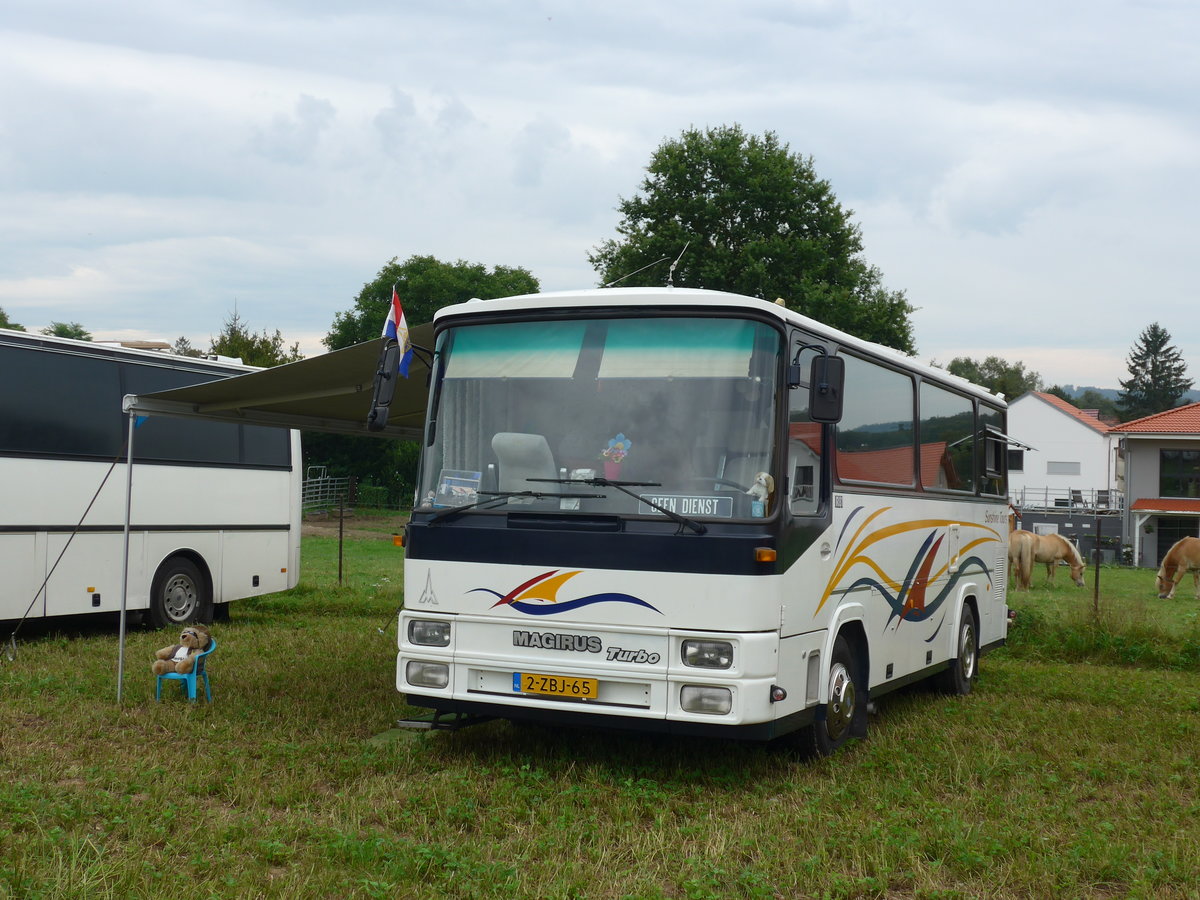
<point>616,654</point>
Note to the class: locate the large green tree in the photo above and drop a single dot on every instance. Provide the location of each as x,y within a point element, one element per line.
<point>264,350</point>
<point>425,285</point>
<point>68,330</point>
<point>1157,375</point>
<point>756,220</point>
<point>5,322</point>
<point>997,375</point>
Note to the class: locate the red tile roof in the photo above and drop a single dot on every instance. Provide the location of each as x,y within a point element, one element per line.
<point>1090,418</point>
<point>1181,420</point>
<point>1164,504</point>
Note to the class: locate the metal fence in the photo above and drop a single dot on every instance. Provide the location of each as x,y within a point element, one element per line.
<point>322,493</point>
<point>1065,500</point>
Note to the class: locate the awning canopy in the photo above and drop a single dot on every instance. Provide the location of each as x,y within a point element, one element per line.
<point>330,393</point>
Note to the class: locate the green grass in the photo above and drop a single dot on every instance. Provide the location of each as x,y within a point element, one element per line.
<point>1056,778</point>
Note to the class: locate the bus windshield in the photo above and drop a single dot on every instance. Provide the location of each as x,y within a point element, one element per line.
<point>537,415</point>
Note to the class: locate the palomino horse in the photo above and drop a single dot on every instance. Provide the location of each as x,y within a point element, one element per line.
<point>1025,548</point>
<point>1020,557</point>
<point>1183,557</point>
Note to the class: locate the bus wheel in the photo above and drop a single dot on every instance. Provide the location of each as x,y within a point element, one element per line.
<point>179,594</point>
<point>964,667</point>
<point>832,723</point>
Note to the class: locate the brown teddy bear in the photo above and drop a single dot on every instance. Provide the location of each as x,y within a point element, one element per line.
<point>180,658</point>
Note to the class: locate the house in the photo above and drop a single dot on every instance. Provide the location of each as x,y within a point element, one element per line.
<point>1161,480</point>
<point>1070,461</point>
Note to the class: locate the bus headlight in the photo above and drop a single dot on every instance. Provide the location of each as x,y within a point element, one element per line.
<point>699,698</point>
<point>429,633</point>
<point>708,654</point>
<point>427,674</point>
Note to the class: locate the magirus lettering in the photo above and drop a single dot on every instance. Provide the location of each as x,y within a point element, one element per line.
<point>546,640</point>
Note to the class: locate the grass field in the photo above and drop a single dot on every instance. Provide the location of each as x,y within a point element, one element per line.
<point>1072,771</point>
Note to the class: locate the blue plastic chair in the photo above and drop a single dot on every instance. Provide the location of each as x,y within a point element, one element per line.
<point>199,671</point>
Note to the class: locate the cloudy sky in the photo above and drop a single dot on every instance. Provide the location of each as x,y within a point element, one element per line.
<point>1027,172</point>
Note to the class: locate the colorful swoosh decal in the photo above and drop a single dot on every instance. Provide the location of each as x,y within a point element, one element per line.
<point>906,596</point>
<point>539,596</point>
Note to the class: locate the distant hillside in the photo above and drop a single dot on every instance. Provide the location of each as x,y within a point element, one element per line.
<point>1191,396</point>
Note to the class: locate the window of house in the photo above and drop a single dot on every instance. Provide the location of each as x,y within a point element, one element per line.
<point>1179,473</point>
<point>1062,468</point>
<point>1016,460</point>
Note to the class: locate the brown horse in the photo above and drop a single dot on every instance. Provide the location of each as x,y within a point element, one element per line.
<point>1020,557</point>
<point>1052,549</point>
<point>1183,557</point>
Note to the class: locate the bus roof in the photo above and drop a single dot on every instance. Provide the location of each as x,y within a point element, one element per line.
<point>699,298</point>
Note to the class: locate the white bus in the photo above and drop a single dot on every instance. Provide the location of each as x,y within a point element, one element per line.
<point>215,510</point>
<point>695,513</point>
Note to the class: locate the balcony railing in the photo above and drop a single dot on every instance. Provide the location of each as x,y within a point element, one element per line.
<point>1068,500</point>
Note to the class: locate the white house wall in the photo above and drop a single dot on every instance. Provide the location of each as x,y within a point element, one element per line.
<point>1056,436</point>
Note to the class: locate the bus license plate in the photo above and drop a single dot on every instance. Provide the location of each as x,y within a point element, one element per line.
<point>555,685</point>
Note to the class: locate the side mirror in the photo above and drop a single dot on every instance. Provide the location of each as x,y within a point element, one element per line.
<point>384,386</point>
<point>825,389</point>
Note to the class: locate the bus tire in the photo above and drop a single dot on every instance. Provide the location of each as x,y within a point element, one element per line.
<point>179,594</point>
<point>960,678</point>
<point>834,722</point>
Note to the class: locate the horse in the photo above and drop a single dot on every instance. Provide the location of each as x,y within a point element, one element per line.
<point>1020,557</point>
<point>1181,558</point>
<point>1052,549</point>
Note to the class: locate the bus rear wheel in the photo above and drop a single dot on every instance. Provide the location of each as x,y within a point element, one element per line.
<point>833,723</point>
<point>959,679</point>
<point>179,594</point>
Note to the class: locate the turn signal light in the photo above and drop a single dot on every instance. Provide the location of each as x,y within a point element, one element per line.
<point>764,554</point>
<point>397,540</point>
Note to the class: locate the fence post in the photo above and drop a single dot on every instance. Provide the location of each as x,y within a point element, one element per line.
<point>1096,577</point>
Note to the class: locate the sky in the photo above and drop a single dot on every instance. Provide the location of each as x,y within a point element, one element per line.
<point>1028,173</point>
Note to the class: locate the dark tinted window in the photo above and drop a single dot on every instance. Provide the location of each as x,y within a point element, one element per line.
<point>947,439</point>
<point>875,436</point>
<point>69,404</point>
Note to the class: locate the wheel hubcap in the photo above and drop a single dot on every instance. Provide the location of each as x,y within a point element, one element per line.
<point>179,598</point>
<point>966,651</point>
<point>840,710</point>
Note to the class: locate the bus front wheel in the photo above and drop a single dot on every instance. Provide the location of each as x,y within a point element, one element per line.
<point>179,594</point>
<point>833,723</point>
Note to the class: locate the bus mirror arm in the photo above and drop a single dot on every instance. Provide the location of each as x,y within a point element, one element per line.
<point>827,379</point>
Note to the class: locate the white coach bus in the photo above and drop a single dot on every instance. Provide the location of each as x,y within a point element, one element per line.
<point>215,507</point>
<point>696,513</point>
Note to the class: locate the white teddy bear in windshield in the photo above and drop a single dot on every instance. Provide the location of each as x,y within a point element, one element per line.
<point>762,488</point>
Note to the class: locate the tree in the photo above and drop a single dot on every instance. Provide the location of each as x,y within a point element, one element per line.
<point>1157,375</point>
<point>755,219</point>
<point>6,323</point>
<point>425,285</point>
<point>68,330</point>
<point>1106,409</point>
<point>183,347</point>
<point>998,376</point>
<point>264,350</point>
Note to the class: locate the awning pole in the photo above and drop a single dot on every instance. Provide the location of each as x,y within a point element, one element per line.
<point>125,557</point>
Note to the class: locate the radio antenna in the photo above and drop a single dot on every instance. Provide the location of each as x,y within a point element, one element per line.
<point>671,271</point>
<point>634,272</point>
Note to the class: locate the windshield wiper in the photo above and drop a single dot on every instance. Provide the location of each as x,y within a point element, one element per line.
<point>496,496</point>
<point>623,487</point>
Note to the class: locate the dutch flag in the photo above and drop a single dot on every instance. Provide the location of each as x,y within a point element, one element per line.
<point>396,329</point>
